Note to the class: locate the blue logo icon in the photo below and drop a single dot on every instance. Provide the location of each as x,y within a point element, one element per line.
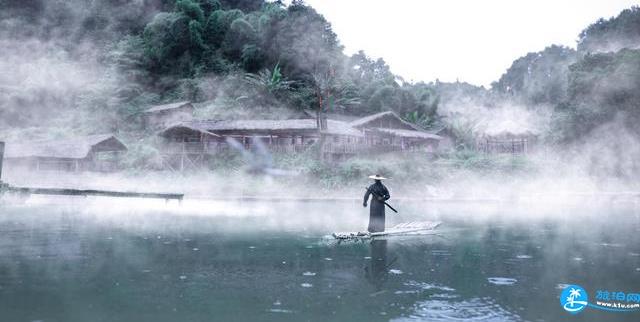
<point>574,299</point>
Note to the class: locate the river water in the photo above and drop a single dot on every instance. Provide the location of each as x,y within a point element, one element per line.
<point>71,260</point>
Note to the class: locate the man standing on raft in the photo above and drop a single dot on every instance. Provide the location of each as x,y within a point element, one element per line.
<point>380,194</point>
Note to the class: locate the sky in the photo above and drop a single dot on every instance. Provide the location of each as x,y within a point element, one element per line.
<point>466,40</point>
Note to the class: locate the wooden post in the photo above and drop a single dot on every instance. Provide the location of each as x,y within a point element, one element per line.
<point>1,158</point>
<point>184,150</point>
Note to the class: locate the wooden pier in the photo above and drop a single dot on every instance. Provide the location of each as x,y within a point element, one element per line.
<point>90,192</point>
<point>26,191</point>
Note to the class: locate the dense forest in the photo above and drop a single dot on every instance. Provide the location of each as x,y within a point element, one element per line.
<point>250,55</point>
<point>94,66</point>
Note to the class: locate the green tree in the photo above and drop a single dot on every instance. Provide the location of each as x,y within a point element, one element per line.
<point>614,34</point>
<point>601,88</point>
<point>538,78</point>
<point>270,81</point>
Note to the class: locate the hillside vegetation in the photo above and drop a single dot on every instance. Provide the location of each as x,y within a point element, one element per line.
<point>92,67</point>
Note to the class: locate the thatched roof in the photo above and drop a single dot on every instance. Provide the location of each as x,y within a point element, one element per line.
<point>184,126</point>
<point>255,125</point>
<point>411,134</point>
<point>342,128</point>
<point>74,148</point>
<point>331,116</point>
<point>362,122</point>
<point>296,125</point>
<point>166,107</point>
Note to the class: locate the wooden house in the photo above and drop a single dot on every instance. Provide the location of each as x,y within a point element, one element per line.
<point>507,142</point>
<point>386,131</point>
<point>190,144</point>
<point>160,116</point>
<point>89,153</point>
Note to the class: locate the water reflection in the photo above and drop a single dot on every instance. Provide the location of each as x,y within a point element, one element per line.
<point>377,272</point>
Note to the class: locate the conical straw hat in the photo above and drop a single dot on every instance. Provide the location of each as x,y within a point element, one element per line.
<point>377,177</point>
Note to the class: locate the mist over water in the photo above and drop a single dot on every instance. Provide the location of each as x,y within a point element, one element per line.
<point>275,262</point>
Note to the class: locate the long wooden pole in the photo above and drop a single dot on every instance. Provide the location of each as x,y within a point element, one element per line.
<point>1,158</point>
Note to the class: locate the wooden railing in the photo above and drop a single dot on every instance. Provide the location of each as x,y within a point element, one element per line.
<point>515,146</point>
<point>329,147</point>
<point>185,147</point>
<point>293,148</point>
<point>217,147</point>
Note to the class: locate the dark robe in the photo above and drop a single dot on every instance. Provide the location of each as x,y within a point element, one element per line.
<point>376,210</point>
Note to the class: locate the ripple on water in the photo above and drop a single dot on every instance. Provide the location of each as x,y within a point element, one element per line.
<point>476,309</point>
<point>443,296</point>
<point>437,252</point>
<point>616,245</point>
<point>309,274</point>
<point>502,280</point>
<point>428,286</point>
<point>280,311</point>
<point>523,256</point>
<point>395,271</point>
<point>306,285</point>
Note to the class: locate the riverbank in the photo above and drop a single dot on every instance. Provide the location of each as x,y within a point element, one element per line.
<point>430,181</point>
